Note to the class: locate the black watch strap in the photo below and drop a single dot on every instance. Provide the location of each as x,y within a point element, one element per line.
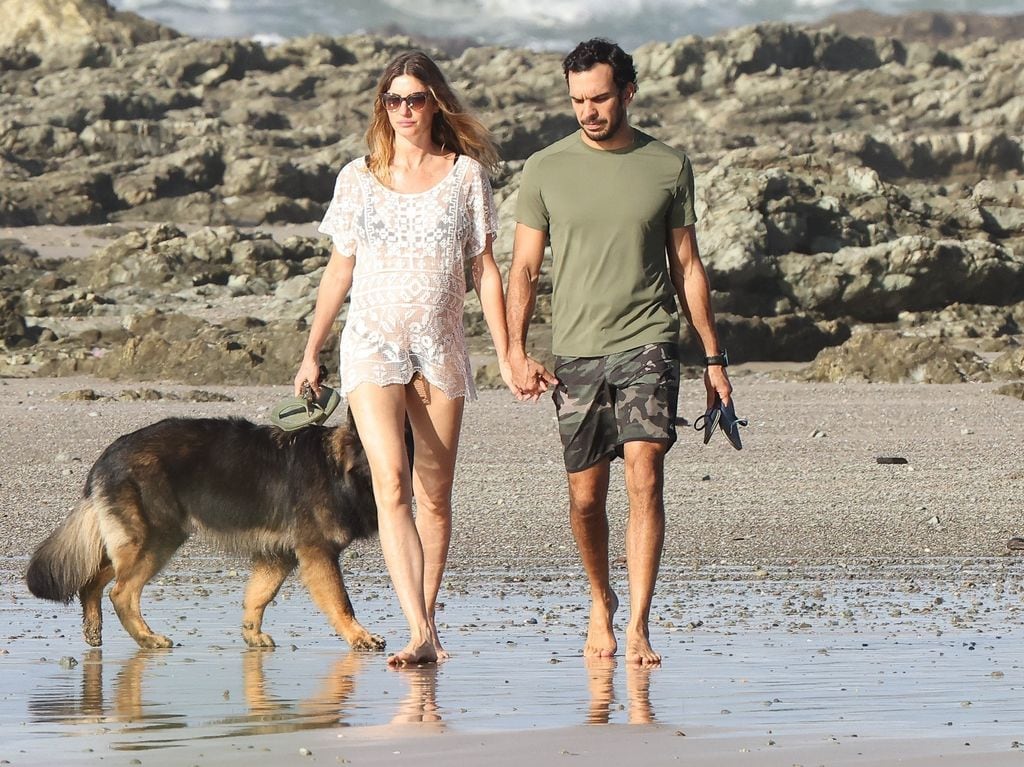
<point>717,359</point>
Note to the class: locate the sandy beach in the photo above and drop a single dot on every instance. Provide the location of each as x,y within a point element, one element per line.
<point>806,489</point>
<point>843,591</point>
<point>815,607</point>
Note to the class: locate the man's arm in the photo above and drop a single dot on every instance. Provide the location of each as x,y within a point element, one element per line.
<point>694,293</point>
<point>530,379</point>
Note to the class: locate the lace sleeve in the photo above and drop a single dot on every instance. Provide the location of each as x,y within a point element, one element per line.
<point>479,209</point>
<point>343,217</point>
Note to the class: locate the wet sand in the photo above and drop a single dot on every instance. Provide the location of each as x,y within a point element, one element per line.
<point>872,668</point>
<point>815,606</point>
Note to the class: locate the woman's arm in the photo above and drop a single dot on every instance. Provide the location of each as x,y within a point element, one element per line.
<point>488,284</point>
<point>334,287</point>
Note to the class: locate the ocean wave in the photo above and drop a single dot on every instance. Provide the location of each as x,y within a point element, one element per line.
<point>541,24</point>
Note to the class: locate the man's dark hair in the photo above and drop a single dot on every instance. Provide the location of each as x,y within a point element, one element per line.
<point>589,54</point>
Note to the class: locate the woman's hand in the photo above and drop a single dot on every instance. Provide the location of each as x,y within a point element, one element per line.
<point>506,374</point>
<point>309,371</point>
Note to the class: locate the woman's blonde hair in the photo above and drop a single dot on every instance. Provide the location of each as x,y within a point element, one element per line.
<point>454,128</point>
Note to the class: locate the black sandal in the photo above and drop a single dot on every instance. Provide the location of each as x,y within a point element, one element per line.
<point>709,421</point>
<point>722,415</point>
<point>731,424</point>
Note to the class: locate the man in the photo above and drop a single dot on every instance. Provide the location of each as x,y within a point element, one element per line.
<point>617,207</point>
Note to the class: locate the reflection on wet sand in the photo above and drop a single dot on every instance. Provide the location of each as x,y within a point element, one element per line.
<point>267,714</point>
<point>73,706</point>
<point>330,706</point>
<point>129,702</point>
<point>876,655</point>
<point>420,705</point>
<point>91,704</point>
<point>601,684</point>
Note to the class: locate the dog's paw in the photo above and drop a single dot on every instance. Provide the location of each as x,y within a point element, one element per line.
<point>154,642</point>
<point>258,639</point>
<point>368,642</point>
<point>93,636</point>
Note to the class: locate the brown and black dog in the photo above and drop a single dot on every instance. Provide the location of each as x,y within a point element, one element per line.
<point>282,498</point>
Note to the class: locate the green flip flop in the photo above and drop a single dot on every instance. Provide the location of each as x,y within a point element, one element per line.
<point>299,412</point>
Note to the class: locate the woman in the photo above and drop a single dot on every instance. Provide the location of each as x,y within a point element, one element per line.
<point>403,222</point>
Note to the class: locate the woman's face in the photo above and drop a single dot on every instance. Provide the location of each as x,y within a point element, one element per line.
<point>412,112</point>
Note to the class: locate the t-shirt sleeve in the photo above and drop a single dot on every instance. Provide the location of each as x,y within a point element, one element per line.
<point>480,210</point>
<point>342,219</point>
<point>530,208</point>
<point>681,213</point>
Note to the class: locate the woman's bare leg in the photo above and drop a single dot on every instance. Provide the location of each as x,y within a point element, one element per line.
<point>379,414</point>
<point>436,422</point>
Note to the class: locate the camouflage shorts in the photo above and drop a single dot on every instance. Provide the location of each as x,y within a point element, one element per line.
<point>604,402</point>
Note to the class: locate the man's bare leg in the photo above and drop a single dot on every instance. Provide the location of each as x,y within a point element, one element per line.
<point>645,537</point>
<point>588,495</point>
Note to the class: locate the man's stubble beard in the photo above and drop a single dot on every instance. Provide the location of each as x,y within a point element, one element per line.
<point>614,124</point>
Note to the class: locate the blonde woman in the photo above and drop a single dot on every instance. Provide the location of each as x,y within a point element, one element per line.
<point>403,221</point>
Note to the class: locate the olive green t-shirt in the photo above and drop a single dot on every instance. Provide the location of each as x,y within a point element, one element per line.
<point>608,214</point>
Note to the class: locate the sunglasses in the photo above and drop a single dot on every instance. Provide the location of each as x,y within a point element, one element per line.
<point>415,101</point>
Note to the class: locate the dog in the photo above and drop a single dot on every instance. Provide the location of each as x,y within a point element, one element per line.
<point>282,498</point>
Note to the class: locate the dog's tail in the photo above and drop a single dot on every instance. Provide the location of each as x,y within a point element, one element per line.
<point>69,558</point>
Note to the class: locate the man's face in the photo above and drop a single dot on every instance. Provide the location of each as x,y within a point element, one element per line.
<point>599,105</point>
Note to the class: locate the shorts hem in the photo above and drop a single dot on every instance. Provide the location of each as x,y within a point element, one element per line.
<point>609,456</point>
<point>467,392</point>
<point>670,440</point>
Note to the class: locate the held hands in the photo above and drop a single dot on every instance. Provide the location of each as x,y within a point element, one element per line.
<point>529,378</point>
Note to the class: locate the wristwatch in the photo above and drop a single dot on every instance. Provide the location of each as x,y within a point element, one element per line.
<point>722,358</point>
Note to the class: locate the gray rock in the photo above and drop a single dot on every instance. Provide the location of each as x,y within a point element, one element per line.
<point>43,25</point>
<point>837,183</point>
<point>886,356</point>
<point>1009,365</point>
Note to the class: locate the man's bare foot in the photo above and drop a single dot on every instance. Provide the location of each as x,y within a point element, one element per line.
<point>415,653</point>
<point>638,685</point>
<point>600,672</point>
<point>638,648</point>
<point>600,634</point>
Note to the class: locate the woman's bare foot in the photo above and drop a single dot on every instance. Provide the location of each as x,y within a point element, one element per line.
<point>638,647</point>
<point>600,634</point>
<point>420,705</point>
<point>442,654</point>
<point>415,653</point>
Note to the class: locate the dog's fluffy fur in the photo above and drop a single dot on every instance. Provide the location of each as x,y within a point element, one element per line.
<point>283,498</point>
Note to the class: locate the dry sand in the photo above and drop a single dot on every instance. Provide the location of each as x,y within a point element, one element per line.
<point>805,490</point>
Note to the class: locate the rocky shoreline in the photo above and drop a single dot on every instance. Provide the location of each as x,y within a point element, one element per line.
<point>861,199</point>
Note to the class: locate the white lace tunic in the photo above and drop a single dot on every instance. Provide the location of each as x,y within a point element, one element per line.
<point>409,282</point>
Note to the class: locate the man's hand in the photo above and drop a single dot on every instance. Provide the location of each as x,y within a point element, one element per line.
<point>716,381</point>
<point>530,379</point>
